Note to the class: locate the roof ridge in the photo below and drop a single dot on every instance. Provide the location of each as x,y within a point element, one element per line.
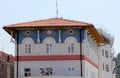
<point>67,20</point>
<point>27,22</point>
<point>75,21</point>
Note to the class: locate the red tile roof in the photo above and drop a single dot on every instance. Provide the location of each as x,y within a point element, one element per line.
<point>50,22</point>
<point>56,22</point>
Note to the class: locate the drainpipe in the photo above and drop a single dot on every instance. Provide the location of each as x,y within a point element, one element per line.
<point>81,53</point>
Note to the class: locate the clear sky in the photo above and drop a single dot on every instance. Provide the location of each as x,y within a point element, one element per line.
<point>103,14</point>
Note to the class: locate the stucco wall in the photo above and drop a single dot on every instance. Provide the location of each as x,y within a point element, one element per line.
<point>60,68</point>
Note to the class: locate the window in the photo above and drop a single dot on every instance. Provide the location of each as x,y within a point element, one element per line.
<point>48,48</point>
<point>8,58</point>
<point>103,66</point>
<point>71,48</point>
<point>70,71</point>
<point>27,44</point>
<point>106,54</point>
<point>46,71</point>
<point>92,74</point>
<point>27,48</point>
<point>107,68</point>
<point>27,72</point>
<point>103,52</point>
<point>49,44</point>
<point>71,43</point>
<point>27,32</point>
<point>70,31</point>
<point>86,73</point>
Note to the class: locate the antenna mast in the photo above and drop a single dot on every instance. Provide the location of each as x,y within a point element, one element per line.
<point>56,9</point>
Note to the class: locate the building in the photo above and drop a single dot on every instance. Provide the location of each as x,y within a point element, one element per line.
<point>57,47</point>
<point>6,65</point>
<point>106,56</point>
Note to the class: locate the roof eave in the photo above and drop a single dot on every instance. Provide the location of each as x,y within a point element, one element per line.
<point>91,29</point>
<point>13,28</point>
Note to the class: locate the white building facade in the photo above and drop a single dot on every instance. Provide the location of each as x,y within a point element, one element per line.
<point>106,56</point>
<point>59,47</point>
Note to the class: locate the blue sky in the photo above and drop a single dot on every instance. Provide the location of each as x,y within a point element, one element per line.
<point>103,14</point>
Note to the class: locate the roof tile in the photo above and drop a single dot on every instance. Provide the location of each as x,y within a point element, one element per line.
<point>50,22</point>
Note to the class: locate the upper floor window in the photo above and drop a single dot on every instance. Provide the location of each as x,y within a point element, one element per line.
<point>28,33</point>
<point>49,44</point>
<point>103,52</point>
<point>106,54</point>
<point>71,31</point>
<point>27,45</point>
<point>71,44</point>
<point>27,48</point>
<point>103,66</point>
<point>48,47</point>
<point>71,48</point>
<point>27,72</point>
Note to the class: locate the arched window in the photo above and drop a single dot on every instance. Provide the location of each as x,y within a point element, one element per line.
<point>71,41</point>
<point>49,41</point>
<point>27,42</point>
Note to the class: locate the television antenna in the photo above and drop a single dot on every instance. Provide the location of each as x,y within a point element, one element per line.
<point>56,8</point>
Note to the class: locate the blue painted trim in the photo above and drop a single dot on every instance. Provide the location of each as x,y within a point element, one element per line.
<point>55,35</point>
<point>43,35</point>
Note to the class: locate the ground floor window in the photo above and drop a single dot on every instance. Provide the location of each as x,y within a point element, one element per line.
<point>27,72</point>
<point>71,71</point>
